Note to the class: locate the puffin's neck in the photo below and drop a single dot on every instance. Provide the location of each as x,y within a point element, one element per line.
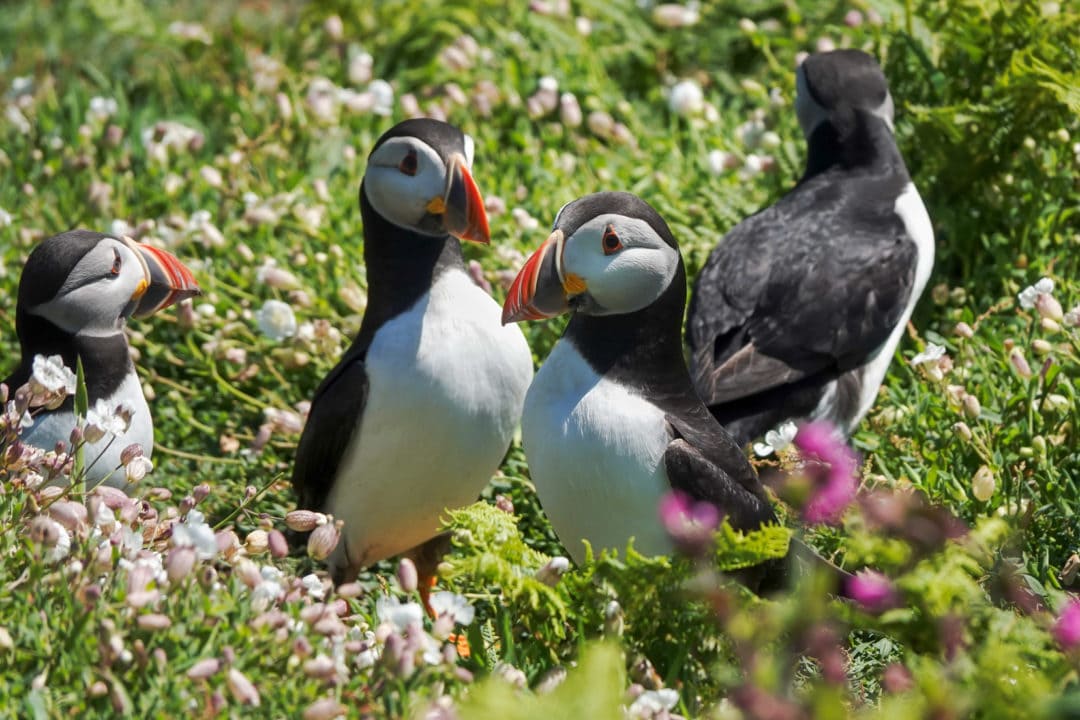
<point>852,139</point>
<point>106,360</point>
<point>401,265</point>
<point>645,345</point>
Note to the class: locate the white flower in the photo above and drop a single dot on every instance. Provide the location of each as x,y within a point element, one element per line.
<point>652,703</point>
<point>721,161</point>
<point>276,320</point>
<point>138,469</point>
<point>932,353</point>
<point>194,532</point>
<point>686,98</point>
<point>14,116</point>
<point>270,590</point>
<point>189,31</point>
<point>22,85</point>
<point>672,15</point>
<point>50,376</point>
<point>776,440</point>
<point>101,109</point>
<point>1072,318</point>
<point>399,614</point>
<point>5,218</point>
<point>24,421</point>
<point>313,585</point>
<point>360,64</point>
<point>452,605</point>
<point>384,97</point>
<point>1031,293</point>
<point>101,420</point>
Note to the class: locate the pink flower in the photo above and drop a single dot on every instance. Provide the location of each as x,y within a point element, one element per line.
<point>831,465</point>
<point>872,590</point>
<point>1067,626</point>
<point>690,524</point>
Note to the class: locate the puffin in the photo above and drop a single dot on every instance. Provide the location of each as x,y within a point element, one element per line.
<point>798,311</point>
<point>611,422</point>
<point>422,407</point>
<point>76,292</point>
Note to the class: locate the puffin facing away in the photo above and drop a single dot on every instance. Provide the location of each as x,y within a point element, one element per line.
<point>421,409</point>
<point>75,294</point>
<point>798,311</point>
<point>611,422</point>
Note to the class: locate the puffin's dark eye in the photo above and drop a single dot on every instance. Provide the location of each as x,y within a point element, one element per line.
<point>611,241</point>
<point>408,163</point>
<point>117,264</point>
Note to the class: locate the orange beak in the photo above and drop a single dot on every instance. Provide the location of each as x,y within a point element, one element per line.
<point>541,289</point>
<point>462,207</point>
<point>168,281</point>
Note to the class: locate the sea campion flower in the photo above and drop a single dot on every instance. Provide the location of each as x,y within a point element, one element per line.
<point>101,109</point>
<point>51,381</point>
<point>101,420</point>
<point>983,484</point>
<point>1030,295</point>
<point>872,590</point>
<point>552,570</point>
<point>932,353</point>
<point>1067,626</point>
<point>686,98</point>
<point>832,469</point>
<point>652,704</point>
<point>399,615</point>
<point>674,15</point>
<point>689,524</point>
<point>776,440</point>
<point>276,320</point>
<point>194,532</point>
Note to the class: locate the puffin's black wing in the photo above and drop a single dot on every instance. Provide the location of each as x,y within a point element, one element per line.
<point>332,422</point>
<point>814,283</point>
<point>709,466</point>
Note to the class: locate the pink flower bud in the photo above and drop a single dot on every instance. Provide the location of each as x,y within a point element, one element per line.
<point>70,514</point>
<point>1020,363</point>
<point>872,590</point>
<point>131,452</point>
<point>406,575</point>
<point>179,563</point>
<point>319,667</point>
<point>279,546</point>
<point>242,688</point>
<point>304,520</point>
<point>325,709</point>
<point>962,329</point>
<point>972,408</point>
<point>153,621</point>
<point>323,540</point>
<point>1048,307</point>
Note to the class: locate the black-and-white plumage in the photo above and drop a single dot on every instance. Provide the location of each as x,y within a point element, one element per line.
<point>612,422</point>
<point>76,292</point>
<point>419,412</point>
<point>799,310</point>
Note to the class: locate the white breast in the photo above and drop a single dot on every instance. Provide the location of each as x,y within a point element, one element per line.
<point>910,208</point>
<point>596,455</point>
<point>102,458</point>
<point>446,386</point>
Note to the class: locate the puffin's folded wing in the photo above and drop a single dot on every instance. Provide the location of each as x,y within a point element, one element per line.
<point>690,472</point>
<point>333,420</point>
<point>832,318</point>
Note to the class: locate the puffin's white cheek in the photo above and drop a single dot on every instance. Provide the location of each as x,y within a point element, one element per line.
<point>634,279</point>
<point>402,199</point>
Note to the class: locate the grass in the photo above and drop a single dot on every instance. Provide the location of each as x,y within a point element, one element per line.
<point>987,120</point>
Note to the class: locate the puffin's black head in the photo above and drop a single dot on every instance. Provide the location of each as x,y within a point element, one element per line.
<point>833,84</point>
<point>86,282</point>
<point>418,178</point>
<point>609,254</point>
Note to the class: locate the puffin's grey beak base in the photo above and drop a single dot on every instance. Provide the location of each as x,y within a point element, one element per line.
<point>168,281</point>
<point>464,216</point>
<point>538,291</point>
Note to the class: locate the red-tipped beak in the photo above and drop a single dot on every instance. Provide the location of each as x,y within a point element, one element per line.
<point>167,281</point>
<point>464,216</point>
<point>540,291</point>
